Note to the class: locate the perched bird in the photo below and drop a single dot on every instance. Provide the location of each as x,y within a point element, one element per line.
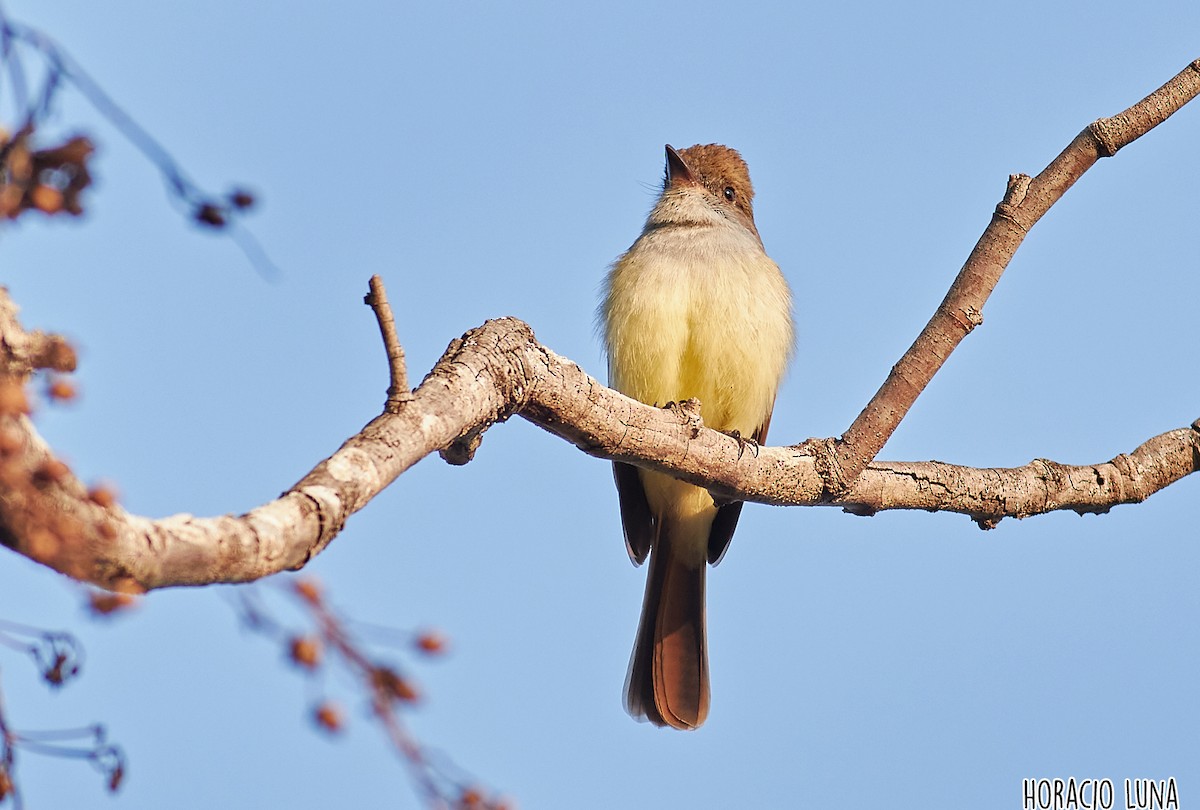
<point>695,308</point>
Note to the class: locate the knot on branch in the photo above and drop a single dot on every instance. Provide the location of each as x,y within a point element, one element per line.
<point>1107,133</point>
<point>1128,481</point>
<point>1051,476</point>
<point>496,354</point>
<point>498,350</point>
<point>1009,208</point>
<point>967,317</point>
<point>828,464</point>
<point>986,522</point>
<point>462,450</point>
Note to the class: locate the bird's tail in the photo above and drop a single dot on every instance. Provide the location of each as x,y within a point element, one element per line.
<point>667,682</point>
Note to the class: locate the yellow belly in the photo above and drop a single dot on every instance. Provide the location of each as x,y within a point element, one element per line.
<point>686,319</point>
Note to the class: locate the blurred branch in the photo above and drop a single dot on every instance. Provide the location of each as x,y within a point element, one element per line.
<point>388,690</point>
<point>19,193</point>
<point>499,369</point>
<point>57,656</point>
<point>48,180</point>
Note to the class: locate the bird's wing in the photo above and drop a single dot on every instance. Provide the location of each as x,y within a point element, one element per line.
<point>636,518</point>
<point>727,516</point>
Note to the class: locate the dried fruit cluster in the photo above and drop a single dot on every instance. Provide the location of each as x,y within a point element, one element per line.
<point>47,180</point>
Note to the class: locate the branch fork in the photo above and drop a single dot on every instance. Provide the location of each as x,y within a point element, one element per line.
<point>499,369</point>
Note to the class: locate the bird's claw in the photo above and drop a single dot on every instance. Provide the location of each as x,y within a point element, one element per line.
<point>743,443</point>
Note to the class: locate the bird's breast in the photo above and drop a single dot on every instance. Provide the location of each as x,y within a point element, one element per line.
<point>699,312</point>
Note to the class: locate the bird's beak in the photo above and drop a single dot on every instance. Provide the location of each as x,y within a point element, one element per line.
<point>678,173</point>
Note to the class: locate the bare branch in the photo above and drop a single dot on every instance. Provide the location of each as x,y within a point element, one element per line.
<point>499,369</point>
<point>1026,201</point>
<point>492,372</point>
<point>398,391</point>
<point>1041,486</point>
<point>57,655</point>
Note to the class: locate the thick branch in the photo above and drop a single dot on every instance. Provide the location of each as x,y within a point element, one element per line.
<point>1041,486</point>
<point>492,372</point>
<point>1026,201</point>
<point>500,369</point>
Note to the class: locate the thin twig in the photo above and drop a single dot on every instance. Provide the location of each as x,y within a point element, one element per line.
<point>439,782</point>
<point>398,391</point>
<point>10,61</point>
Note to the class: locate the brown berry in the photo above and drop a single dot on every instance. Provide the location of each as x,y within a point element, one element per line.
<point>103,496</point>
<point>241,199</point>
<point>61,390</point>
<point>431,642</point>
<point>46,199</point>
<point>103,603</point>
<point>211,215</point>
<point>329,717</point>
<point>50,471</point>
<point>305,651</point>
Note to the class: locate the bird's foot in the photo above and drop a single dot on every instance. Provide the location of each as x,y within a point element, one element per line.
<point>743,443</point>
<point>688,411</point>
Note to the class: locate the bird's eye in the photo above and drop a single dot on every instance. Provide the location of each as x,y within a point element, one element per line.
<point>729,193</point>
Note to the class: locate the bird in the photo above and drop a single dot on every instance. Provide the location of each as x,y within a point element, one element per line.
<point>693,309</point>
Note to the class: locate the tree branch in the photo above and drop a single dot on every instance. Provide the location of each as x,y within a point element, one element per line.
<point>1025,202</point>
<point>499,369</point>
<point>398,391</point>
<point>490,373</point>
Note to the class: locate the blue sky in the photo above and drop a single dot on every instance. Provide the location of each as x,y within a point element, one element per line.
<point>491,160</point>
